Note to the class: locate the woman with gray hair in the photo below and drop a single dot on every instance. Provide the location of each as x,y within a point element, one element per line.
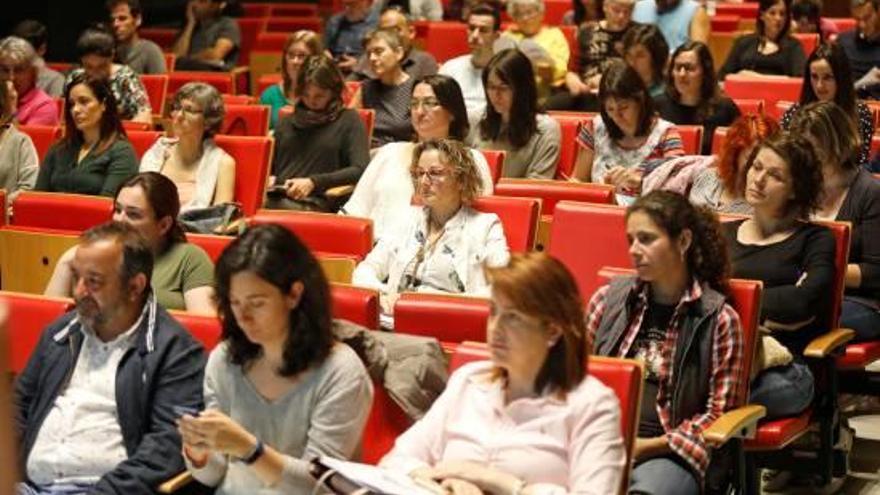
<point>30,104</point>
<point>546,46</point>
<point>203,173</point>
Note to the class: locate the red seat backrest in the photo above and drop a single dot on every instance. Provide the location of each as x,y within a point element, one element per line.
<point>718,140</point>
<point>246,120</point>
<point>267,80</point>
<point>60,211</point>
<point>324,232</point>
<point>551,192</point>
<point>769,89</point>
<point>368,117</point>
<point>164,37</point>
<point>724,23</point>
<point>842,234</point>
<point>448,318</point>
<point>252,156</point>
<point>519,217</point>
<point>156,86</point>
<point>141,141</point>
<point>131,125</point>
<point>206,329</point>
<point>356,304</point>
<point>691,138</point>
<point>842,23</point>
<point>29,315</point>
<point>294,23</point>
<point>554,11</point>
<point>213,245</point>
<point>170,60</point>
<point>743,10</point>
<point>808,41</point>
<point>386,422</point>
<point>749,105</point>
<point>569,126</point>
<point>271,42</point>
<point>223,81</point>
<point>351,89</point>
<point>294,10</point>
<point>495,160</point>
<point>250,28</point>
<point>446,40</point>
<point>256,9</point>
<point>238,99</point>
<point>43,136</point>
<point>575,240</point>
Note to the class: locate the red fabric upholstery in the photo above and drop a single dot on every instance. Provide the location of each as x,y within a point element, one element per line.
<point>386,422</point>
<point>749,105</point>
<point>62,67</point>
<point>724,23</point>
<point>256,9</point>
<point>743,10</point>
<point>131,125</point>
<point>43,137</point>
<point>246,120</point>
<point>213,245</point>
<point>238,99</point>
<point>61,211</point>
<point>446,40</point>
<point>294,10</point>
<point>250,28</point>
<point>495,160</point>
<point>718,140</point>
<point>29,315</point>
<point>324,232</point>
<point>519,216</point>
<point>691,138</point>
<point>569,125</point>
<point>291,24</point>
<point>551,192</point>
<point>842,232</point>
<point>141,141</point>
<point>270,42</point>
<point>448,318</point>
<point>771,90</point>
<point>267,80</point>
<point>164,37</point>
<point>774,435</point>
<point>808,41</point>
<point>585,237</point>
<point>223,81</point>
<point>206,329</point>
<point>356,304</point>
<point>857,356</point>
<point>842,23</point>
<point>351,89</point>
<point>170,60</point>
<point>368,117</point>
<point>252,158</point>
<point>156,86</point>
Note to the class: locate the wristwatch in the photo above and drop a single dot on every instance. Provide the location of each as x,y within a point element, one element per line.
<point>259,448</point>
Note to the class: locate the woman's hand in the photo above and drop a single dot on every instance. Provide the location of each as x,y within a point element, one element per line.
<point>460,487</point>
<point>11,103</point>
<point>484,478</point>
<point>299,188</point>
<point>214,431</point>
<point>624,179</point>
<point>387,301</point>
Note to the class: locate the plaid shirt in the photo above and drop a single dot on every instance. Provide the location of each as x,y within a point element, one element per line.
<point>685,438</point>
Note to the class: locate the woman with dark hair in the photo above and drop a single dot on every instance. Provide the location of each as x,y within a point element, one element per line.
<point>442,245</point>
<point>678,293</point>
<point>692,94</point>
<point>279,389</point>
<point>723,187</point>
<point>299,46</point>
<point>94,157</point>
<point>18,156</point>
<point>536,421</point>
<point>646,51</point>
<point>385,190</point>
<point>795,261</point>
<point>322,146</point>
<point>182,272</point>
<point>583,12</point>
<point>827,77</point>
<point>96,48</point>
<point>512,122</point>
<point>626,140</point>
<point>806,18</point>
<point>203,173</point>
<point>770,50</point>
<point>850,194</point>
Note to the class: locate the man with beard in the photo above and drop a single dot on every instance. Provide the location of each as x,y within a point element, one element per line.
<point>679,20</point>
<point>96,403</point>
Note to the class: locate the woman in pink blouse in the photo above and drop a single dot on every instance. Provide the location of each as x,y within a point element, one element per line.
<point>530,420</point>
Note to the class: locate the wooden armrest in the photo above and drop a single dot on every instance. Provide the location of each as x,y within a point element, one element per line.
<point>738,423</point>
<point>339,191</point>
<point>823,345</point>
<point>176,483</point>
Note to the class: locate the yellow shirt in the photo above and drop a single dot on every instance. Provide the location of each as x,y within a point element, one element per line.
<point>553,41</point>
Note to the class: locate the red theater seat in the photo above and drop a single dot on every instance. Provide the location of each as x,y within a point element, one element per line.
<point>446,40</point>
<point>691,138</point>
<point>386,422</point>
<point>206,329</point>
<point>60,211</point>
<point>141,141</point>
<point>495,160</point>
<point>252,158</point>
<point>267,80</point>
<point>857,356</point>
<point>43,137</point>
<point>291,24</point>
<point>718,140</point>
<point>156,86</point>
<point>749,105</point>
<point>569,125</point>
<point>213,245</point>
<point>551,192</point>
<point>769,89</point>
<point>724,23</point>
<point>519,217</point>
<point>446,317</point>
<point>238,99</point>
<point>246,120</point>
<point>324,232</point>
<point>223,81</point>
<point>29,315</point>
<point>356,304</point>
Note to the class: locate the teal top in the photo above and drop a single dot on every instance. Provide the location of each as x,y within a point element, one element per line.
<point>274,97</point>
<point>98,173</point>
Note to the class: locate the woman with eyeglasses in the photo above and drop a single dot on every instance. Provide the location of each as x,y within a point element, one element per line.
<point>442,245</point>
<point>770,50</point>
<point>296,49</point>
<point>203,173</point>
<point>551,55</point>
<point>385,189</point>
<point>692,94</point>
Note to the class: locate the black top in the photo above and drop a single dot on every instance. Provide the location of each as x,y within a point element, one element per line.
<point>864,119</point>
<point>787,61</point>
<point>96,174</point>
<point>391,104</point>
<point>807,253</point>
<point>721,114</point>
<point>334,154</point>
<point>863,54</point>
<point>861,208</point>
<point>597,47</point>
<point>648,348</point>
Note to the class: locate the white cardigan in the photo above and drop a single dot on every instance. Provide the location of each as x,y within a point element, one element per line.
<point>207,171</point>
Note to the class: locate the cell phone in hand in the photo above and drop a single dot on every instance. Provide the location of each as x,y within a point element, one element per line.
<point>277,191</point>
<point>180,411</point>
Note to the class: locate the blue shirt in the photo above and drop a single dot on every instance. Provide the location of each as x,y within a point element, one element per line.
<point>344,37</point>
<point>675,24</point>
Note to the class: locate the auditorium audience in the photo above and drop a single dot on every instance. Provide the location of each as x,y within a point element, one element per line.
<point>442,245</point>
<point>279,389</point>
<point>96,49</point>
<point>679,20</point>
<point>203,173</point>
<point>545,45</point>
<point>795,261</point>
<point>345,31</point>
<point>19,64</point>
<point>770,50</point>
<point>723,187</point>
<point>140,55</point>
<point>827,77</point>
<point>561,426</point>
<point>673,309</point>
<point>693,96</point>
<point>322,146</point>
<point>210,40</point>
<point>182,272</point>
<point>598,44</point>
<point>94,157</point>
<point>645,50</point>
<point>96,399</point>
<point>806,18</point>
<point>416,62</point>
<point>299,45</point>
<point>18,157</point>
<point>627,139</point>
<point>513,122</point>
<point>417,10</point>
<point>849,194</point>
<point>583,12</point>
<point>388,94</point>
<point>862,47</point>
<point>437,111</point>
<point>35,33</point>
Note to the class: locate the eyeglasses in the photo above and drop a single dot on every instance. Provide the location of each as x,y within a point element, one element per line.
<point>426,103</point>
<point>186,110</point>
<point>433,174</point>
<point>684,67</point>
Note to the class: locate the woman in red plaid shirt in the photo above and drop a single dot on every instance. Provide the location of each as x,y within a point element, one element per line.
<point>673,316</point>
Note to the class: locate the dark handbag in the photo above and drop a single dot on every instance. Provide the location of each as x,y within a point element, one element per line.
<point>211,220</point>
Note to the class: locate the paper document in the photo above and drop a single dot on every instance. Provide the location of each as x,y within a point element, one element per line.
<point>376,479</point>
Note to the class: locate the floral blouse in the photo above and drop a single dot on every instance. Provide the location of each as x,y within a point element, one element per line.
<point>131,97</point>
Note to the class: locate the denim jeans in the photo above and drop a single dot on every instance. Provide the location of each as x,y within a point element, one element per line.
<point>68,489</point>
<point>783,390</point>
<point>863,319</point>
<point>663,476</point>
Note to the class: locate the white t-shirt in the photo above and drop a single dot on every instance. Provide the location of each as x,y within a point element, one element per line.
<point>470,79</point>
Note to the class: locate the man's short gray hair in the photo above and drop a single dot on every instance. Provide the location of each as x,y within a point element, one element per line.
<point>17,49</point>
<point>513,4</point>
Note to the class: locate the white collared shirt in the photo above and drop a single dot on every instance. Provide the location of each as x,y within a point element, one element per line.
<point>80,439</point>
